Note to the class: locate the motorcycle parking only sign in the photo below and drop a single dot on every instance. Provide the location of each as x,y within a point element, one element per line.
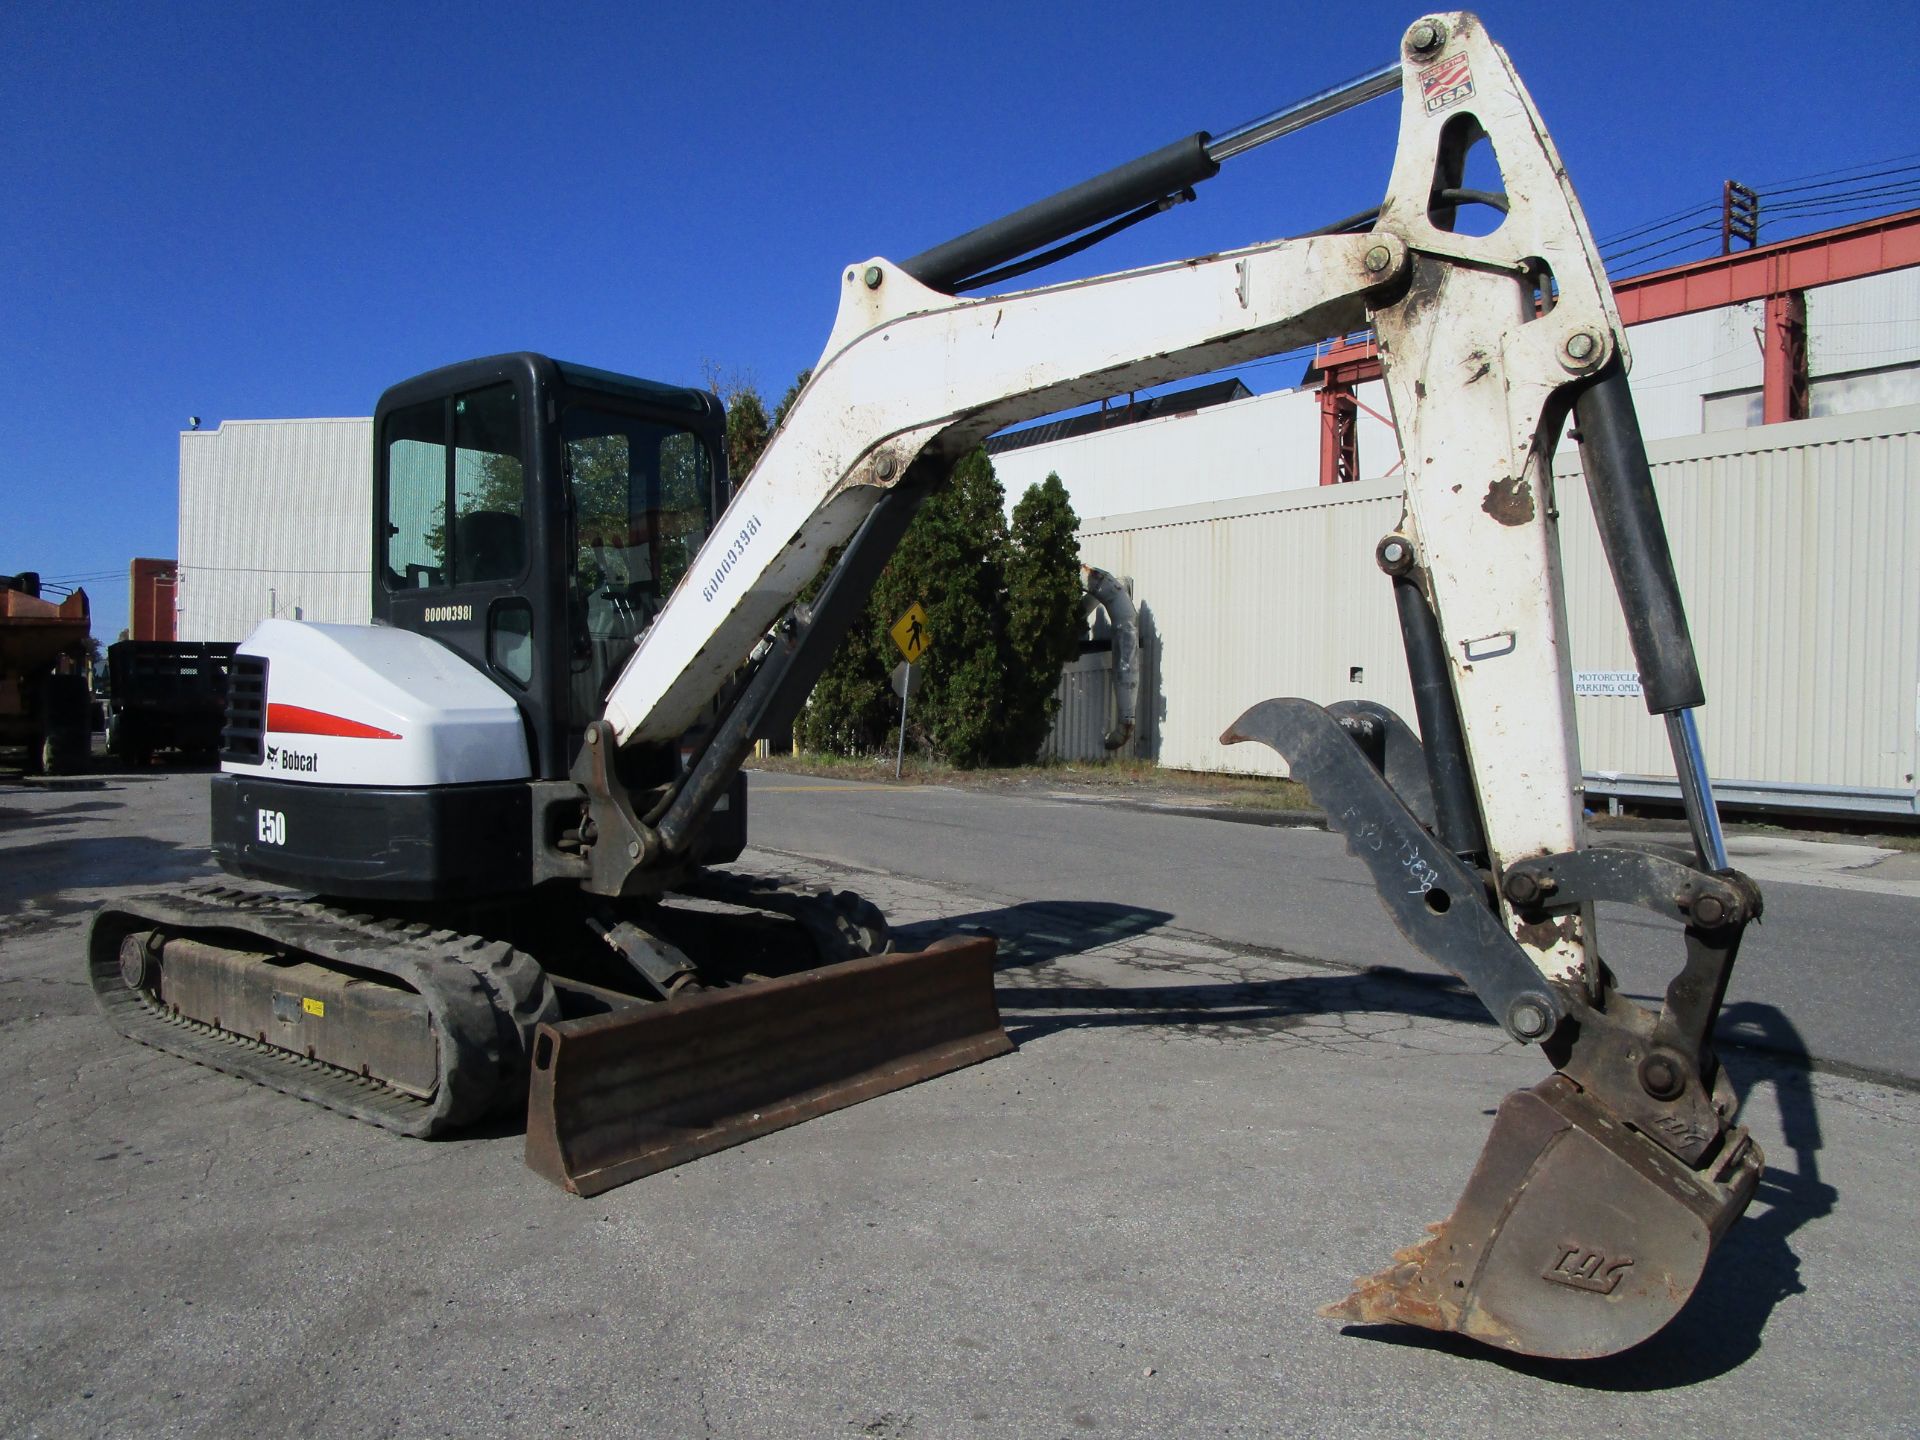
<point>1624,684</point>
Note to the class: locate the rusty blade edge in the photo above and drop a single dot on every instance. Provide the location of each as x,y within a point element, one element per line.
<point>666,1155</point>
<point>597,1119</point>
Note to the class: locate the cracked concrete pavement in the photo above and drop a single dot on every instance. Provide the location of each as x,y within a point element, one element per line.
<point>1121,1229</point>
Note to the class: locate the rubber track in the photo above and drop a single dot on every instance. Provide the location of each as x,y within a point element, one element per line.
<point>485,999</point>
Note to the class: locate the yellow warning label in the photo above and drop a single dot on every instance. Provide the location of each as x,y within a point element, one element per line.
<point>312,1006</point>
<point>910,633</point>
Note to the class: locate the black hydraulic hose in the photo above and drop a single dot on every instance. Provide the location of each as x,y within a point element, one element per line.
<point>1456,810</point>
<point>1073,246</point>
<point>1125,188</point>
<point>1628,513</point>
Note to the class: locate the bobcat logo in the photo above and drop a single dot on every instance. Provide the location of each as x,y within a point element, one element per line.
<point>273,752</point>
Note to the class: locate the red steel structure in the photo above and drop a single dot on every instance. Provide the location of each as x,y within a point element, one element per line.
<point>1779,275</point>
<point>151,599</point>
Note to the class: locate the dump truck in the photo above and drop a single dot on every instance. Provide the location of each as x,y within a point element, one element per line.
<point>507,809</point>
<point>45,703</point>
<point>166,695</point>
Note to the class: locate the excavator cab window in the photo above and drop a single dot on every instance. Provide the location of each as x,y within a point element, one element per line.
<point>456,513</point>
<point>641,495</point>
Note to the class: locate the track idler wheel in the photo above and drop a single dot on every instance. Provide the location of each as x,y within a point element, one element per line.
<point>1577,1236</point>
<point>140,960</point>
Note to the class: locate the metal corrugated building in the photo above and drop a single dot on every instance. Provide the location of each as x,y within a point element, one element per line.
<point>1798,549</point>
<point>275,519</point>
<point>1692,373</point>
<point>1244,447</point>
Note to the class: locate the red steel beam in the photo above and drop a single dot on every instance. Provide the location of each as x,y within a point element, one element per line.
<point>1869,248</point>
<point>1784,393</point>
<point>1777,273</point>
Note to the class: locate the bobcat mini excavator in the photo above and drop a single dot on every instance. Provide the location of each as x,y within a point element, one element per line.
<point>507,799</point>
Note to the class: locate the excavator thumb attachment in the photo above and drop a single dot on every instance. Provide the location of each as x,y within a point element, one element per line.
<point>1601,1191</point>
<point>619,1096</point>
<point>1577,1237</point>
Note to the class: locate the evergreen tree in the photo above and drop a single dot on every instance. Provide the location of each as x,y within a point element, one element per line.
<point>953,562</point>
<point>1003,611</point>
<point>1043,615</point>
<point>793,394</point>
<point>747,431</point>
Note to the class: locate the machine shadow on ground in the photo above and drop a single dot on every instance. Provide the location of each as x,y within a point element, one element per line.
<point>1751,1272</point>
<point>99,862</point>
<point>1032,936</point>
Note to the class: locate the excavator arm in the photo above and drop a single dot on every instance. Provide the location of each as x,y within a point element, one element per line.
<point>1601,1191</point>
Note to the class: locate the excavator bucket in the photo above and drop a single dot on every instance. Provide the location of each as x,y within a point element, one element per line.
<point>1577,1237</point>
<point>619,1096</point>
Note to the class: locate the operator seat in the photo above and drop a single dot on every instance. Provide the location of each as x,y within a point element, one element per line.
<point>488,545</point>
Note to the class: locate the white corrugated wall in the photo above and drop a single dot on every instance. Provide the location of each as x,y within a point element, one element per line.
<point>1242,447</point>
<point>1798,549</point>
<point>275,518</point>
<point>1244,600</point>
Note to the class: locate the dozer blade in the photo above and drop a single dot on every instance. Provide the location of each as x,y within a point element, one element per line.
<point>616,1097</point>
<point>1577,1237</point>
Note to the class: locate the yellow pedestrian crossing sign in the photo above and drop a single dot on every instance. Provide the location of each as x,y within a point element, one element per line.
<point>910,633</point>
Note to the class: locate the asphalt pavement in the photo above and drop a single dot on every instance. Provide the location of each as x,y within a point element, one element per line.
<point>1823,975</point>
<point>1219,1112</point>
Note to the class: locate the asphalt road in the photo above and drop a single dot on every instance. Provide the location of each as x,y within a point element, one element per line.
<point>1121,1229</point>
<point>1823,975</point>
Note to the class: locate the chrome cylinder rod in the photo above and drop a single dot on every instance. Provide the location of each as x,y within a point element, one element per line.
<point>1696,790</point>
<point>1303,113</point>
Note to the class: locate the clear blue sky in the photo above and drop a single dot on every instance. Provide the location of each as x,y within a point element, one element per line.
<point>254,211</point>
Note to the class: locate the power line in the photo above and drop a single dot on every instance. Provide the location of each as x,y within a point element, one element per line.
<point>1849,180</point>
<point>1615,255</point>
<point>1844,172</point>
<point>1701,209</point>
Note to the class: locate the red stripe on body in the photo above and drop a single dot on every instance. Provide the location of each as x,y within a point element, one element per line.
<point>298,720</point>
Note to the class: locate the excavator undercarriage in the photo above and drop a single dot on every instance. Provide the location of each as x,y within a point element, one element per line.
<point>518,790</point>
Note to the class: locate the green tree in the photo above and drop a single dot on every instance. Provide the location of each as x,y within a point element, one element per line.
<point>1003,612</point>
<point>747,431</point>
<point>953,561</point>
<point>793,394</point>
<point>1043,614</point>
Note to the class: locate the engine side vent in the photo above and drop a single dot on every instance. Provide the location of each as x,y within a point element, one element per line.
<point>244,738</point>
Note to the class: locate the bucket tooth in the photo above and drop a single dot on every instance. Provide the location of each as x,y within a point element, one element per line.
<point>1576,1237</point>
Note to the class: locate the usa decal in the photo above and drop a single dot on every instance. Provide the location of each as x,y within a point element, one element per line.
<point>1446,82</point>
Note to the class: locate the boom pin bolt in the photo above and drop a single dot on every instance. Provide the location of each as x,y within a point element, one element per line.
<point>1522,888</point>
<point>1528,1018</point>
<point>1394,554</point>
<point>874,276</point>
<point>1378,258</point>
<point>1661,1077</point>
<point>1424,36</point>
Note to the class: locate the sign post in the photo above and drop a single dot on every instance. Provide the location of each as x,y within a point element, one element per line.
<point>910,633</point>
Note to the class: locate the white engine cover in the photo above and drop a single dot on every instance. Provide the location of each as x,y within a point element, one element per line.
<point>369,705</point>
